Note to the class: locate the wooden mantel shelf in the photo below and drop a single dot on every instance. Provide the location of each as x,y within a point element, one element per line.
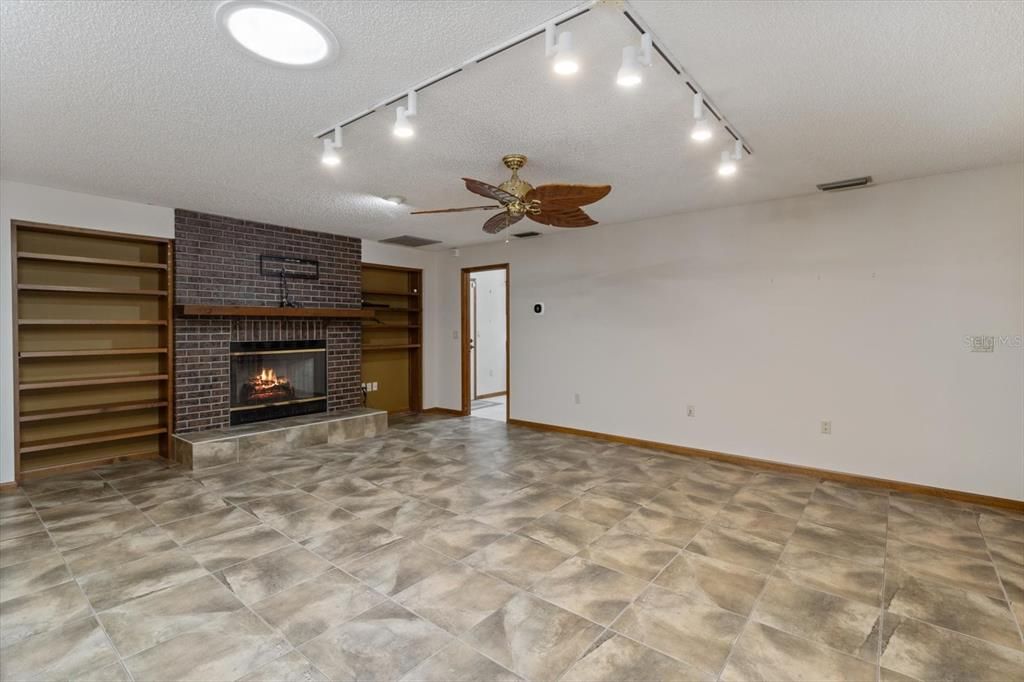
<point>267,311</point>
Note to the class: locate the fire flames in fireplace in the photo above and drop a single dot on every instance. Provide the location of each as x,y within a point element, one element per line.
<point>267,386</point>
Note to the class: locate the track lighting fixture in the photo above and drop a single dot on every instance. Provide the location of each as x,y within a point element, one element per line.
<point>559,46</point>
<point>728,166</point>
<point>331,146</point>
<point>630,75</point>
<point>701,129</point>
<point>708,120</point>
<point>402,126</point>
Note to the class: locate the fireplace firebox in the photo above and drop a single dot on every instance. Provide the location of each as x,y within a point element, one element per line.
<point>275,379</point>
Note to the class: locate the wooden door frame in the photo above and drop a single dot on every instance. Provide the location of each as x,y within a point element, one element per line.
<point>467,392</point>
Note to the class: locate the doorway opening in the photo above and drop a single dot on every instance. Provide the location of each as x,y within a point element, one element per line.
<point>485,342</point>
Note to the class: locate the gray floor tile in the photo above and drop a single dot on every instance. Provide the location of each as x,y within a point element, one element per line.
<point>456,597</point>
<point>614,658</point>
<point>306,610</point>
<point>588,589</point>
<point>533,638</point>
<point>383,643</point>
<point>72,650</point>
<point>764,653</point>
<point>721,583</point>
<point>270,573</point>
<point>686,628</point>
<point>926,652</point>
<point>222,648</point>
<point>145,622</point>
<point>842,624</point>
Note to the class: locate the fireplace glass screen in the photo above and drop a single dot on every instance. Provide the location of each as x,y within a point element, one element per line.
<point>274,379</point>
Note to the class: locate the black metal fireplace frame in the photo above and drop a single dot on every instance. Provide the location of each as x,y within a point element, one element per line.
<point>258,413</point>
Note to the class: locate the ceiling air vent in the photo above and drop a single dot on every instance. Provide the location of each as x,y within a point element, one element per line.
<point>526,235</point>
<point>409,240</point>
<point>852,183</point>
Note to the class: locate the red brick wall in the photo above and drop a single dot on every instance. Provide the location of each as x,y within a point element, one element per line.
<point>217,262</point>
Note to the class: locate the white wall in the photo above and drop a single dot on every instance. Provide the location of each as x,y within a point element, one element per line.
<point>489,339</point>
<point>771,317</point>
<point>19,201</point>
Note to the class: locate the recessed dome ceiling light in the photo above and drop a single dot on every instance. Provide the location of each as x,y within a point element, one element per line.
<point>277,33</point>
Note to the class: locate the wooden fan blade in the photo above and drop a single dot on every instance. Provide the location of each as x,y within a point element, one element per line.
<point>568,196</point>
<point>575,217</point>
<point>497,223</point>
<point>457,210</point>
<point>489,191</point>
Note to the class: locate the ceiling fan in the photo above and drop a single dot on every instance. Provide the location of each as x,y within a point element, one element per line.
<point>557,205</point>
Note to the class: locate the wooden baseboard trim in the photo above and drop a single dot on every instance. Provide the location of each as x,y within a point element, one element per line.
<point>485,396</point>
<point>8,487</point>
<point>827,474</point>
<point>443,410</point>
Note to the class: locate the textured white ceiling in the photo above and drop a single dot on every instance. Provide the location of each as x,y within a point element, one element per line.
<point>148,101</point>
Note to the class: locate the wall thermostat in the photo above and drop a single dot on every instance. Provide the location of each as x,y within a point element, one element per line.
<point>538,308</point>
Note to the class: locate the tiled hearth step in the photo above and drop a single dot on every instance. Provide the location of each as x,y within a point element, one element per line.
<point>237,443</point>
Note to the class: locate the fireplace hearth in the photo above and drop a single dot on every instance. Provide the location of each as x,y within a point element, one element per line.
<point>275,379</point>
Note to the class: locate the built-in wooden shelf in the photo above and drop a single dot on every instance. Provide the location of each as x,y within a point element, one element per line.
<point>267,311</point>
<point>90,290</point>
<point>102,352</point>
<point>89,439</point>
<point>401,346</point>
<point>94,381</point>
<point>62,412</point>
<point>93,347</point>
<point>95,323</point>
<point>28,255</point>
<point>382,292</point>
<point>392,354</point>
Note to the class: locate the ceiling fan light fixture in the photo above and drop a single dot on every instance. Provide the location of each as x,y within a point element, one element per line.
<point>559,46</point>
<point>402,126</point>
<point>630,74</point>
<point>330,156</point>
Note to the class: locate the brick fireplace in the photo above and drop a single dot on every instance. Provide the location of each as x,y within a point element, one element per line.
<point>217,262</point>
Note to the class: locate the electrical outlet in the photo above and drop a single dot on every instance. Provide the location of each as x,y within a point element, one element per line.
<point>826,427</point>
<point>691,411</point>
<point>374,386</point>
<point>576,398</point>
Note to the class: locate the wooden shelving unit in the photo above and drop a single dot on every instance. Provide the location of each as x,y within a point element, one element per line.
<point>92,349</point>
<point>392,339</point>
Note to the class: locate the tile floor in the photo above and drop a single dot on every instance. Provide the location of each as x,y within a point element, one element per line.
<point>490,408</point>
<point>464,549</point>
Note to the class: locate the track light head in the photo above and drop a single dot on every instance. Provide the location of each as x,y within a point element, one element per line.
<point>559,46</point>
<point>330,156</point>
<point>702,131</point>
<point>402,126</point>
<point>630,74</point>
<point>727,166</point>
